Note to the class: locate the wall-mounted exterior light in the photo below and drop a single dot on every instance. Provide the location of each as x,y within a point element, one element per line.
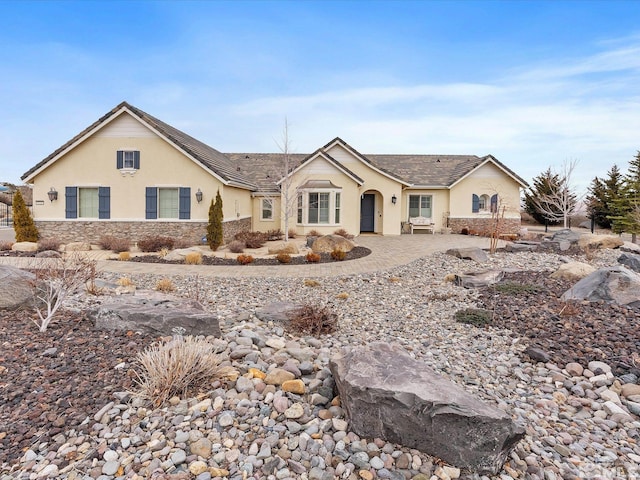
<point>199,195</point>
<point>394,199</point>
<point>52,194</point>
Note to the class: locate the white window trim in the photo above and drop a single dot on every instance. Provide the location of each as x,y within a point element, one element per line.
<point>262,210</point>
<point>332,207</point>
<point>124,171</point>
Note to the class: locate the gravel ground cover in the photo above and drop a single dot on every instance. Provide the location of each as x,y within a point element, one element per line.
<point>65,413</point>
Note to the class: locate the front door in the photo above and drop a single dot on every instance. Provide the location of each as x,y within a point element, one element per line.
<point>367,212</point>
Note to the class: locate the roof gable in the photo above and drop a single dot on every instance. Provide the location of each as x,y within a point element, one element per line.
<point>209,158</point>
<point>490,159</point>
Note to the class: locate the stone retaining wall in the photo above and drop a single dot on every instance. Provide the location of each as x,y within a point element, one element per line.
<point>92,231</point>
<point>482,225</point>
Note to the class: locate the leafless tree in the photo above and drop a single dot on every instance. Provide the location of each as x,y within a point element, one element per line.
<point>561,201</point>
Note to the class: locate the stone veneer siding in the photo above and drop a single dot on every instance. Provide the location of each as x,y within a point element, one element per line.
<point>93,230</point>
<point>483,225</point>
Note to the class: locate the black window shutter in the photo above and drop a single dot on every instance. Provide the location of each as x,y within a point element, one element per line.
<point>104,202</point>
<point>71,202</point>
<point>120,160</point>
<point>475,204</point>
<point>494,203</point>
<point>151,210</point>
<point>185,203</point>
<point>136,159</point>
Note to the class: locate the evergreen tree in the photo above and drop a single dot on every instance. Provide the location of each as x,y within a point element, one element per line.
<point>214,228</point>
<point>626,217</point>
<point>23,225</point>
<point>604,196</point>
<point>547,183</point>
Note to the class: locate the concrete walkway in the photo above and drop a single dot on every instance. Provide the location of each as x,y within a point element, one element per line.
<point>386,252</point>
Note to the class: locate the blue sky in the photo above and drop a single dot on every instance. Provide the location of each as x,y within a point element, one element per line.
<point>535,84</point>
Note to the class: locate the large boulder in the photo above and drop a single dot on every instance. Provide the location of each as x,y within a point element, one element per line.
<point>480,279</point>
<point>595,242</point>
<point>387,394</point>
<point>630,260</point>
<point>566,235</point>
<point>283,247</point>
<point>16,287</point>
<point>155,313</point>
<point>179,254</point>
<point>329,243</point>
<point>25,247</point>
<point>613,284</point>
<point>470,253</point>
<point>573,271</point>
<point>77,247</point>
<point>279,312</point>
<point>630,247</point>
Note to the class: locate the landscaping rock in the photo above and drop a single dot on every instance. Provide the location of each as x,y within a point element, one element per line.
<point>566,235</point>
<point>77,247</point>
<point>276,311</point>
<point>16,287</point>
<point>179,254</point>
<point>25,247</point>
<point>387,394</point>
<point>573,271</point>
<point>476,254</point>
<point>614,284</point>
<point>595,242</point>
<point>284,247</point>
<point>155,313</point>
<point>328,243</point>
<point>630,247</point>
<point>630,260</point>
<point>478,279</point>
<point>48,254</point>
<point>522,246</point>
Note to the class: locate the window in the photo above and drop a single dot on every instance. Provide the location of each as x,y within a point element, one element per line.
<point>420,206</point>
<point>166,202</point>
<point>88,202</point>
<point>128,160</point>
<point>484,203</point>
<point>267,209</point>
<point>319,207</point>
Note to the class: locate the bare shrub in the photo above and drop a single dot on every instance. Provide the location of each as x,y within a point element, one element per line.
<point>115,244</point>
<point>124,256</point>
<point>343,233</point>
<point>165,285</point>
<point>243,259</point>
<point>49,244</point>
<point>236,246</point>
<point>193,258</point>
<point>274,235</point>
<point>5,246</point>
<point>251,239</point>
<point>155,244</point>
<point>314,233</point>
<point>313,320</point>
<point>125,282</point>
<point>292,233</point>
<point>283,257</point>
<point>56,280</point>
<point>313,257</point>
<point>182,367</point>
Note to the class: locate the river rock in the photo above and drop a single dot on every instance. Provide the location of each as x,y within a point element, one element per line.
<point>478,279</point>
<point>387,394</point>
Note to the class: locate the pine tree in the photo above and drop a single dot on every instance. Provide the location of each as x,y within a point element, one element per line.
<point>214,228</point>
<point>626,216</point>
<point>547,183</point>
<point>23,225</point>
<point>604,196</point>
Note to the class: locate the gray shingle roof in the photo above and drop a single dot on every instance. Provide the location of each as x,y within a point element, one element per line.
<point>261,171</point>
